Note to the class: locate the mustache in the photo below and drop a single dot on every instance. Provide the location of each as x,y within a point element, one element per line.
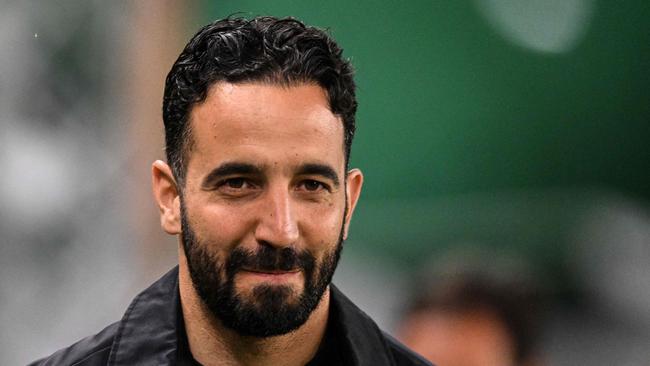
<point>268,259</point>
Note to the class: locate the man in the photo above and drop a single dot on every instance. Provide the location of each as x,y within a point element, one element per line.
<point>259,118</point>
<point>467,314</point>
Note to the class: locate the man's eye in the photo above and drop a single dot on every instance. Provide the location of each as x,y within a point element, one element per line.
<point>235,183</point>
<point>312,185</point>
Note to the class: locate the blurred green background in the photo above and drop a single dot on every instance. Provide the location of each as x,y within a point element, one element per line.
<point>448,106</point>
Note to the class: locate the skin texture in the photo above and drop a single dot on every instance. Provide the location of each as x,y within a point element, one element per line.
<point>282,132</point>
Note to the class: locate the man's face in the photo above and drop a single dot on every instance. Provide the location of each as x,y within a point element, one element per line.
<point>263,209</point>
<point>462,338</point>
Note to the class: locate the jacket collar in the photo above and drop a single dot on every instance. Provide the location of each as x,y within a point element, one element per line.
<point>149,330</point>
<point>147,334</point>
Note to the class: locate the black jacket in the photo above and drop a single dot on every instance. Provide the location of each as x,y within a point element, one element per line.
<point>152,333</point>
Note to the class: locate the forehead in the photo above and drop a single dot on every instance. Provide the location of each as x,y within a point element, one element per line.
<point>264,123</point>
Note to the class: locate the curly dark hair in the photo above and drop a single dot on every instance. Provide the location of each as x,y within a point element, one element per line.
<point>263,49</point>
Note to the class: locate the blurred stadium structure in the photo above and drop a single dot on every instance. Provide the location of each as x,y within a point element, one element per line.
<point>518,127</point>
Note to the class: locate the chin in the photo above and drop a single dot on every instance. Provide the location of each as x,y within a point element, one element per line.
<point>268,293</point>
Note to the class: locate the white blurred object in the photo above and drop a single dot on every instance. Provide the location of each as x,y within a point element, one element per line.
<point>552,26</point>
<point>613,258</point>
<point>39,180</point>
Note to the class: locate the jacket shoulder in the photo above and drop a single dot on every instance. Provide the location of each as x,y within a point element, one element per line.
<point>402,355</point>
<point>90,351</point>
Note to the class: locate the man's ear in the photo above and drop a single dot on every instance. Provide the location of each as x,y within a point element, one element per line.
<point>167,197</point>
<point>354,182</point>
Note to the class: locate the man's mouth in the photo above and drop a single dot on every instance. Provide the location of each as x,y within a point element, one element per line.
<point>270,271</point>
<point>270,274</point>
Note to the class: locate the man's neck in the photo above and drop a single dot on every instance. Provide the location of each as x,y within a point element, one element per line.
<point>213,344</point>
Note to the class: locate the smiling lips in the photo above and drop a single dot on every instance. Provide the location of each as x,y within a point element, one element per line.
<point>272,275</point>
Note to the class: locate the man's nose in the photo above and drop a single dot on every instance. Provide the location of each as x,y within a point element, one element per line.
<point>277,224</point>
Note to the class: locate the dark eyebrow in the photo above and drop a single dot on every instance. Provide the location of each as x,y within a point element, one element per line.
<point>227,169</point>
<point>319,169</point>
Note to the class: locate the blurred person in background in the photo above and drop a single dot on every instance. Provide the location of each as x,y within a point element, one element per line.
<point>259,119</point>
<point>467,316</point>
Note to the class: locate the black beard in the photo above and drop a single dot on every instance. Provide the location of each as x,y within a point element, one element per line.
<point>270,311</point>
